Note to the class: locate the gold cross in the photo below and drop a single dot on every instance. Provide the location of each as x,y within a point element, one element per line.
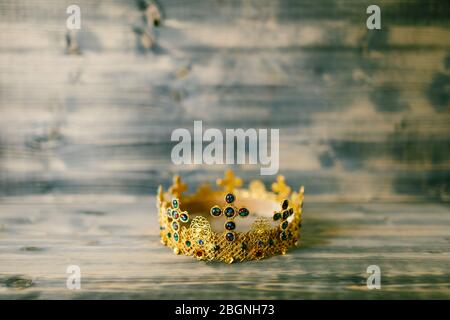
<point>229,181</point>
<point>160,195</point>
<point>281,188</point>
<point>177,187</point>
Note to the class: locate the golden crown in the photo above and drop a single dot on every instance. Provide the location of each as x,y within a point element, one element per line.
<point>186,228</point>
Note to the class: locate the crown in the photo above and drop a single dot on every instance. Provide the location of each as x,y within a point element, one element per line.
<point>230,223</point>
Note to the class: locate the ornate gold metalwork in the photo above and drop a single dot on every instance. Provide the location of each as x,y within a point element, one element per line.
<point>271,233</point>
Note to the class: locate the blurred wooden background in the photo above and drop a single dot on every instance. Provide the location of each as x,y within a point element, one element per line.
<point>85,140</point>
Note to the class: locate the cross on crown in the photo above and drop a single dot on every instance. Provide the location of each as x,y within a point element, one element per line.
<point>280,188</point>
<point>229,181</point>
<point>230,211</point>
<point>177,187</point>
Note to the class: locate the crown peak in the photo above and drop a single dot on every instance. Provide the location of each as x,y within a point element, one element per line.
<point>177,187</point>
<point>281,188</point>
<point>160,196</point>
<point>229,182</point>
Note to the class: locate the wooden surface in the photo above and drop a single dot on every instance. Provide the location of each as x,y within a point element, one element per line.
<point>85,141</point>
<point>115,241</point>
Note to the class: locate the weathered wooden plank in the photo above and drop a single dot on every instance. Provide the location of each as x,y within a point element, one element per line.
<point>120,255</point>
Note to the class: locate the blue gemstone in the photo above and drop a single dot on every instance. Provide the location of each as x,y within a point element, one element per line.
<point>230,198</point>
<point>215,211</point>
<point>276,216</point>
<point>184,217</point>
<point>200,242</point>
<point>229,236</point>
<point>229,212</point>
<point>230,225</point>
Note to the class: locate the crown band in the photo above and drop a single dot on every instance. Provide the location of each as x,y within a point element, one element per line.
<point>232,224</point>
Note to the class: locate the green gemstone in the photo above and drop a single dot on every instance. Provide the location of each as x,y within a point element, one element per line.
<point>188,243</point>
<point>243,212</point>
<point>175,203</point>
<point>169,234</point>
<point>276,216</point>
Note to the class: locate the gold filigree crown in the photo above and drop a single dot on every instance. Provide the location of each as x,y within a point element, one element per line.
<point>204,224</point>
